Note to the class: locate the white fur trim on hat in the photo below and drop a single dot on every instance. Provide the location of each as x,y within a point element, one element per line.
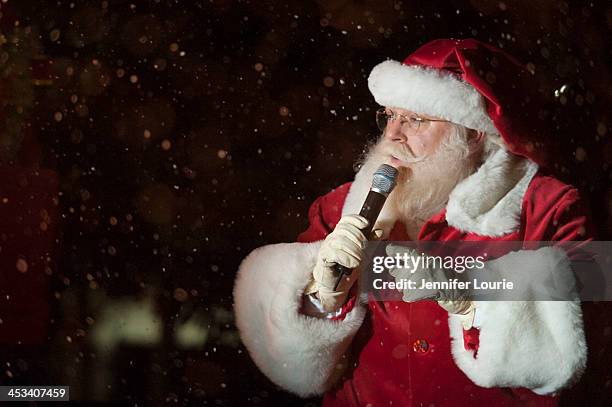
<point>429,91</point>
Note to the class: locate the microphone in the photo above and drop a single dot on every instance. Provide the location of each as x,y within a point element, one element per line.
<point>383,183</point>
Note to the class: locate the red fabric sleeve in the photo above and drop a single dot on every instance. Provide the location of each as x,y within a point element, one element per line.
<point>349,305</point>
<point>324,214</point>
<point>572,224</point>
<point>552,211</point>
<point>555,212</point>
<point>471,339</point>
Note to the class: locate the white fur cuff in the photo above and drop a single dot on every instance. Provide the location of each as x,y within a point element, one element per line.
<point>539,345</point>
<point>297,352</point>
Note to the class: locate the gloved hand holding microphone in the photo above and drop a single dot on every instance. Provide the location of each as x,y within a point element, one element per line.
<point>344,246</point>
<point>342,251</point>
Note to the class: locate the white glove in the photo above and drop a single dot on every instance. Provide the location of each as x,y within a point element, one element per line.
<point>343,246</point>
<point>464,308</point>
<point>537,275</point>
<point>453,301</point>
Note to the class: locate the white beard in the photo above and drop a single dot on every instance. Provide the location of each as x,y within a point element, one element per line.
<point>423,188</point>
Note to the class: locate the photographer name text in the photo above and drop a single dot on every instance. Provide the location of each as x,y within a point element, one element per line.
<point>452,284</point>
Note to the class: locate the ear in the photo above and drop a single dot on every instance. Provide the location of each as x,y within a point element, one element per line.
<point>476,136</point>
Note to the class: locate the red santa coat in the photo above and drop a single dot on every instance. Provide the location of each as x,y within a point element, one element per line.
<point>416,353</point>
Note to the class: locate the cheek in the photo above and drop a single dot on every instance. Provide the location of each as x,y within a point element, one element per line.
<point>423,144</point>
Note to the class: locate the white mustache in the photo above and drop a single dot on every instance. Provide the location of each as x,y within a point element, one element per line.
<point>400,151</point>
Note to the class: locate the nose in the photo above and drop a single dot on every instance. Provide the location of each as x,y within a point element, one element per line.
<point>393,132</point>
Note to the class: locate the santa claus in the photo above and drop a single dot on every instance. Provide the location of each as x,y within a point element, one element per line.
<point>466,138</point>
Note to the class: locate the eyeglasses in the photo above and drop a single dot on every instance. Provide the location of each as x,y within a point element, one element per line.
<point>408,123</point>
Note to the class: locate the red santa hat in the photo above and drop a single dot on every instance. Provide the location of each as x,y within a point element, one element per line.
<point>470,83</point>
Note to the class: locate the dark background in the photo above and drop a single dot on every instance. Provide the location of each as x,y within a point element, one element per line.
<point>184,134</point>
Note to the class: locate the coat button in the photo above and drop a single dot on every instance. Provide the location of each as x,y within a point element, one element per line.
<point>420,346</point>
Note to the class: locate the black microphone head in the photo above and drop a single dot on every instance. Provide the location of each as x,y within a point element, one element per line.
<point>384,179</point>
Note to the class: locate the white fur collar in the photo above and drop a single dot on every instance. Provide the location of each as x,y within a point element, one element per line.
<point>486,203</point>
